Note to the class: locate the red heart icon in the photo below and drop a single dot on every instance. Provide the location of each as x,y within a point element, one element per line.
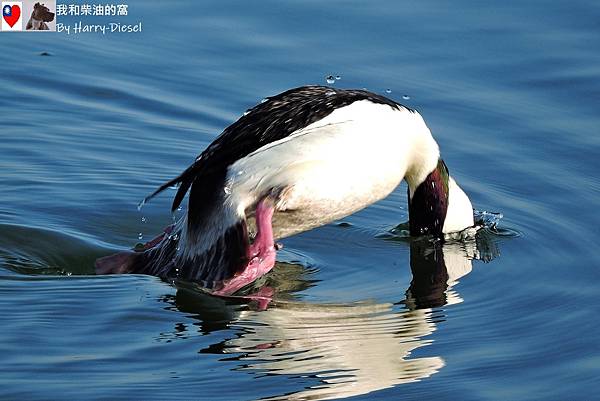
<point>15,14</point>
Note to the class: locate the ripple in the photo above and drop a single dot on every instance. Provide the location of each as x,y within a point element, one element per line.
<point>34,251</point>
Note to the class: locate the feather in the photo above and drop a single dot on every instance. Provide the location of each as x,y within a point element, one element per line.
<point>276,118</point>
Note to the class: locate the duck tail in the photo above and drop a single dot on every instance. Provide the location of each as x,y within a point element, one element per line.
<point>184,180</point>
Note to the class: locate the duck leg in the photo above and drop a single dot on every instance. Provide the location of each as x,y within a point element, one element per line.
<point>261,253</point>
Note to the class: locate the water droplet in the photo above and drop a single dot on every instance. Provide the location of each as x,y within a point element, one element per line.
<point>227,190</point>
<point>175,237</point>
<point>143,219</point>
<point>140,236</point>
<point>177,248</point>
<point>247,112</point>
<point>388,90</point>
<point>330,79</point>
<point>141,204</point>
<point>264,100</point>
<point>405,97</point>
<point>338,77</point>
<point>179,208</point>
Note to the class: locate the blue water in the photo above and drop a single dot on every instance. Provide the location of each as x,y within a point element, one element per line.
<point>511,92</point>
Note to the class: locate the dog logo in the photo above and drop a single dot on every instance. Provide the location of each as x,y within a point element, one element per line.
<point>11,16</point>
<point>39,18</point>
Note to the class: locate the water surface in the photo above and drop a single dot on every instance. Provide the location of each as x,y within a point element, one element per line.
<point>510,91</point>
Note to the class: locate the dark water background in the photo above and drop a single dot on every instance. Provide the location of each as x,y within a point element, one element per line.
<point>511,91</point>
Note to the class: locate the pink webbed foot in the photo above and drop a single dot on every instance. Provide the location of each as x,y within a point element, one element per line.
<point>261,254</point>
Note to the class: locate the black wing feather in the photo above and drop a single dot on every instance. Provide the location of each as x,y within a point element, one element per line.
<point>184,180</point>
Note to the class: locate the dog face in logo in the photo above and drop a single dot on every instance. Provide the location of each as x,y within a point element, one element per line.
<point>40,15</point>
<point>41,12</point>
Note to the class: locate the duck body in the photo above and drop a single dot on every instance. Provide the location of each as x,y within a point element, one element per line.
<point>329,169</point>
<point>296,161</point>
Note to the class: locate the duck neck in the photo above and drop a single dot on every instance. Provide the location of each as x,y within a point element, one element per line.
<point>428,202</point>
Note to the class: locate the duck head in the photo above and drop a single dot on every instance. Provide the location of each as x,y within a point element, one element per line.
<point>436,204</point>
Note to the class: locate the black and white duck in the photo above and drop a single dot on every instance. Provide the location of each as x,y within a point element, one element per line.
<point>296,161</point>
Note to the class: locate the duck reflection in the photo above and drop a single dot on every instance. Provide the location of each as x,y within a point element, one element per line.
<point>346,349</point>
<point>351,349</point>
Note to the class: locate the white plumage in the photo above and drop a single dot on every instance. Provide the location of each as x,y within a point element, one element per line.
<point>352,158</point>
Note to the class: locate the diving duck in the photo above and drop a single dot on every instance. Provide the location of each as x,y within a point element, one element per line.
<point>296,161</point>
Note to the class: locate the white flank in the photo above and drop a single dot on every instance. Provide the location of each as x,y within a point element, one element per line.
<point>353,157</point>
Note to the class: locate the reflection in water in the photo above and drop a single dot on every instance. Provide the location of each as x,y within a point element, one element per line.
<point>340,350</point>
<point>349,349</point>
<point>435,268</point>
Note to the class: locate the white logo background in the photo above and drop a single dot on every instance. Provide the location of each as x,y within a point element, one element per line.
<point>19,24</point>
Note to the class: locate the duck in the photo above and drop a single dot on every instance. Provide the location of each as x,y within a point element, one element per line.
<point>296,161</point>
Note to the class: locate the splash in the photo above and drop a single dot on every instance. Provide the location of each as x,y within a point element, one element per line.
<point>487,219</point>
